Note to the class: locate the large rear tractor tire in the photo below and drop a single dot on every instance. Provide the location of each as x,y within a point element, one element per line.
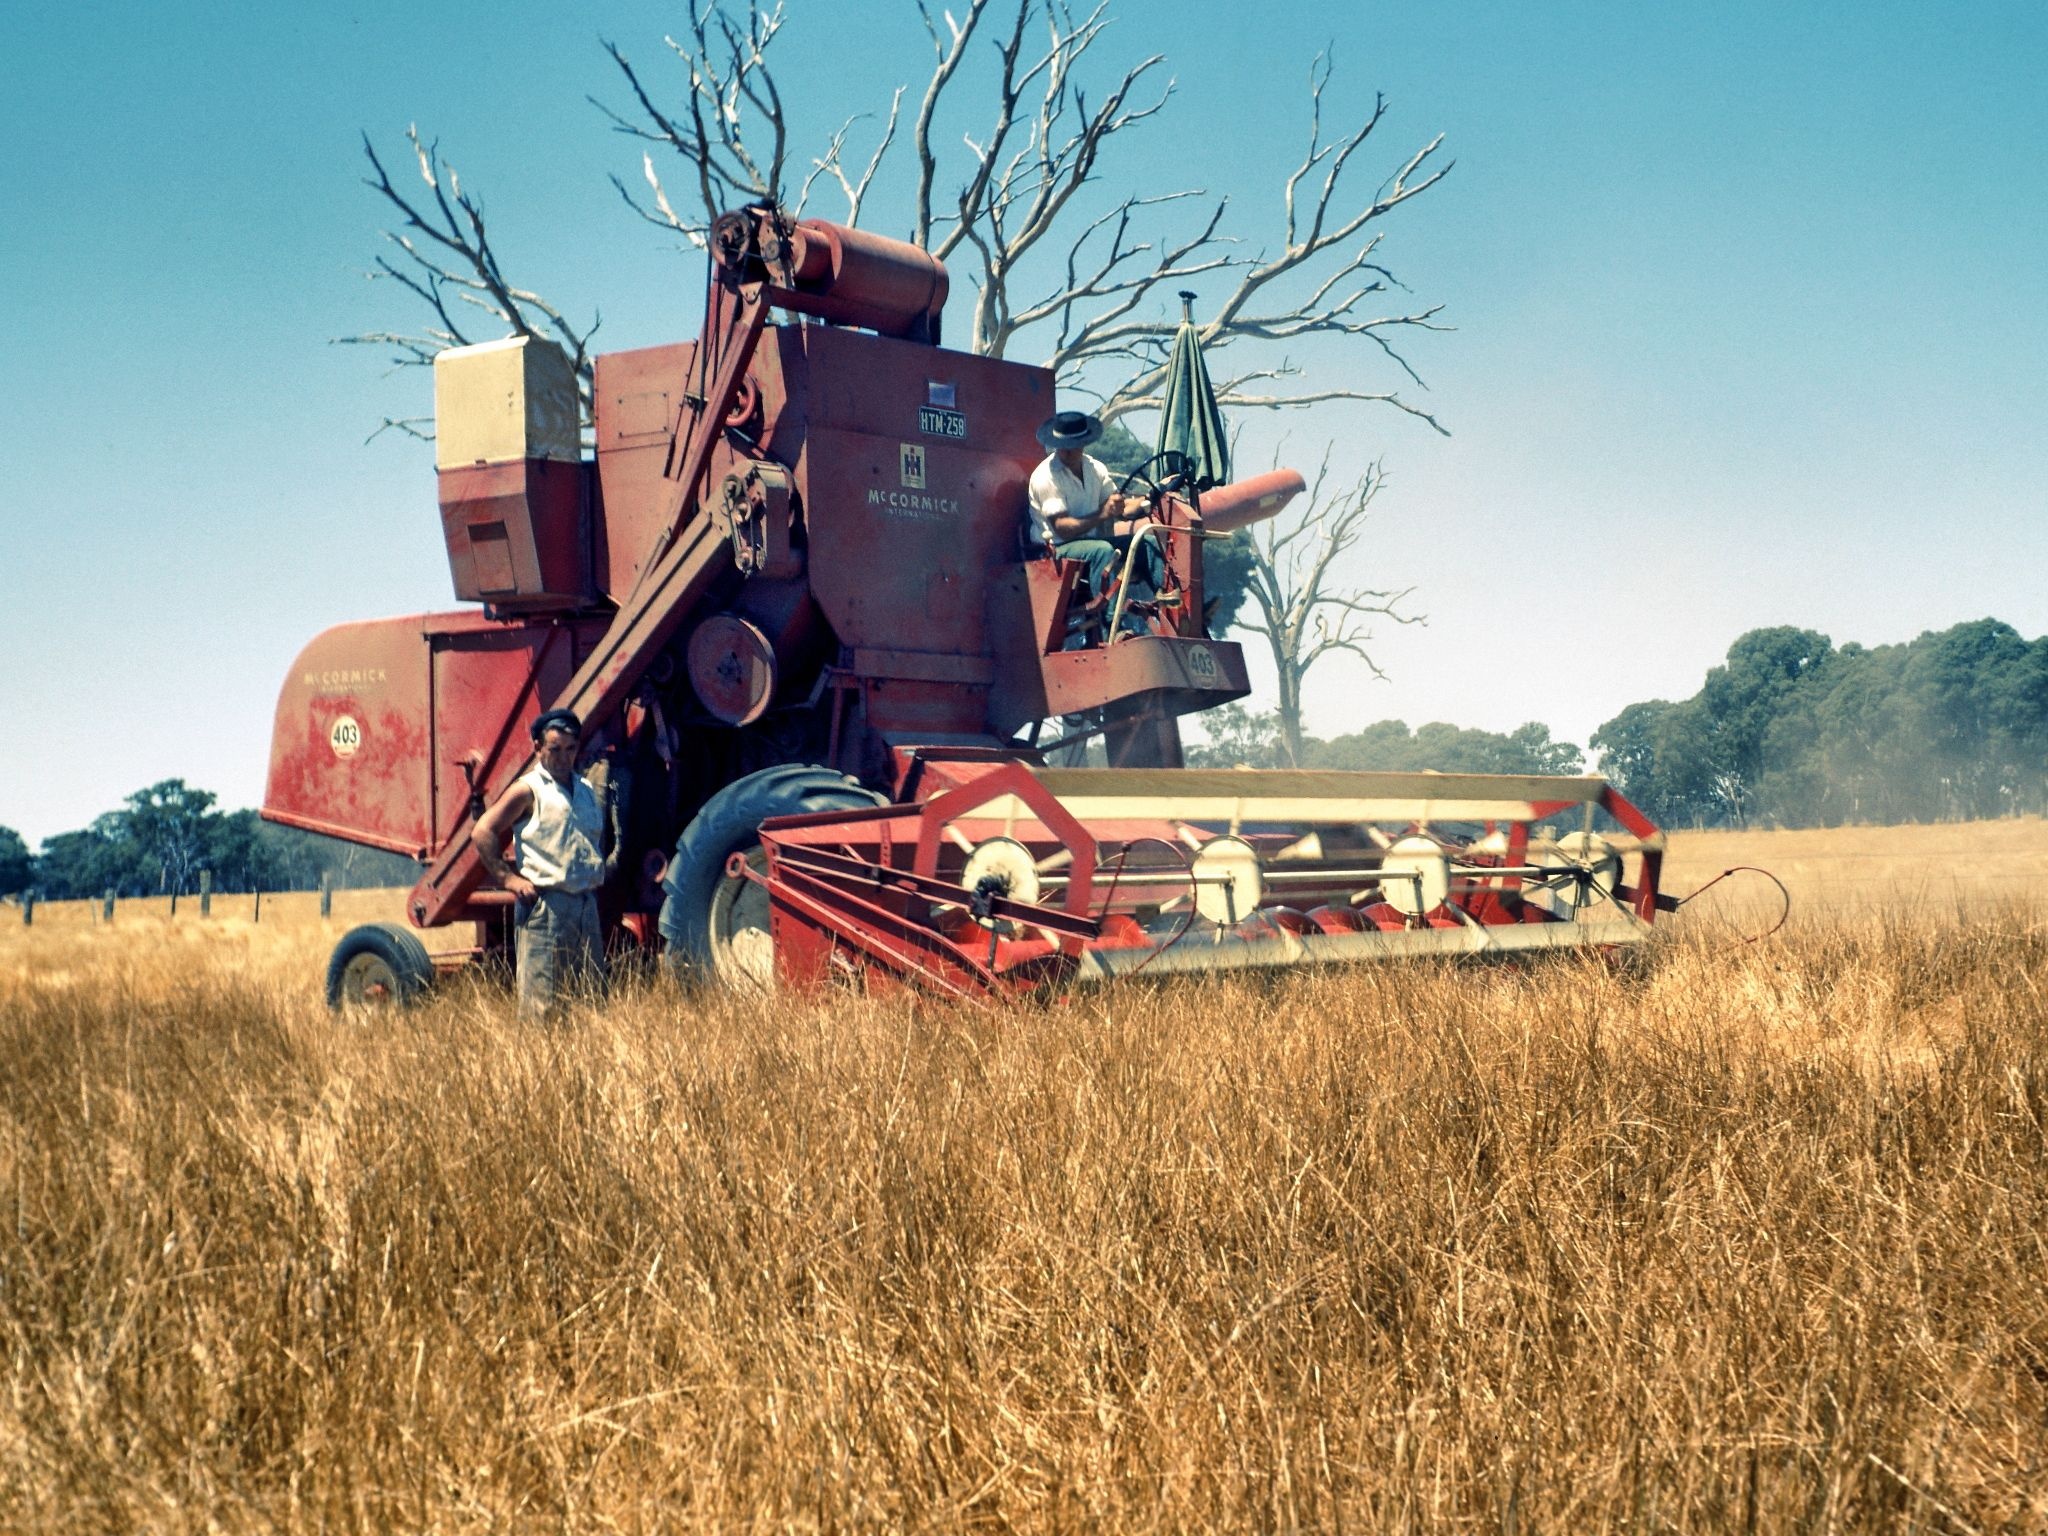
<point>378,965</point>
<point>714,922</point>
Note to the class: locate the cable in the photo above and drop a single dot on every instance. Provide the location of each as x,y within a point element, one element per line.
<point>1785,896</point>
<point>1187,868</point>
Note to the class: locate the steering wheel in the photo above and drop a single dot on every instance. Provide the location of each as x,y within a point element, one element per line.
<point>1177,471</point>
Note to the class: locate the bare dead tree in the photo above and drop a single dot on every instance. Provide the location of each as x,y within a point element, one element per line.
<point>1017,201</point>
<point>1301,612</point>
<point>1100,309</point>
<point>728,82</point>
<point>1020,193</point>
<point>447,262</point>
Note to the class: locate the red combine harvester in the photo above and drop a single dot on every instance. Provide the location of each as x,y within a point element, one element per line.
<point>821,678</point>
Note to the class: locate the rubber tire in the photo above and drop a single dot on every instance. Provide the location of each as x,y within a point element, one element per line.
<point>730,823</point>
<point>383,956</point>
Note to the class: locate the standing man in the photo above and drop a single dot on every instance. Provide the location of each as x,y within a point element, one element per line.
<point>1075,510</point>
<point>557,829</point>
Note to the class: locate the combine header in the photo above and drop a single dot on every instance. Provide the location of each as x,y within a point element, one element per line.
<point>821,676</point>
<point>1003,876</point>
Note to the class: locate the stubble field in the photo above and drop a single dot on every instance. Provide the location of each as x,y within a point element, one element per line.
<point>1748,1236</point>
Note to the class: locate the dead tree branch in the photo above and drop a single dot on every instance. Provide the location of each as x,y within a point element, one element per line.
<point>1315,225</point>
<point>725,60</point>
<point>831,163</point>
<point>1014,204</point>
<point>1300,613</point>
<point>947,56</point>
<point>447,262</point>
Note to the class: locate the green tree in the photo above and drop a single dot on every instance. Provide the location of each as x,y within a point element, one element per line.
<point>241,858</point>
<point>1236,737</point>
<point>165,835</point>
<point>1856,749</point>
<point>1766,671</point>
<point>17,864</point>
<point>1389,746</point>
<point>1538,752</point>
<point>1793,730</point>
<point>1975,695</point>
<point>101,857</point>
<point>169,824</point>
<point>1386,746</point>
<point>1662,756</point>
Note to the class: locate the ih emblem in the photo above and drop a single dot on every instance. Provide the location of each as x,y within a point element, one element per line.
<point>912,456</point>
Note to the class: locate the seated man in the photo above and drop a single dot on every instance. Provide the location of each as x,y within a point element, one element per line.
<point>1075,512</point>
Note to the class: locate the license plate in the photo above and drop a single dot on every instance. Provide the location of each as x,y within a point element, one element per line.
<point>940,423</point>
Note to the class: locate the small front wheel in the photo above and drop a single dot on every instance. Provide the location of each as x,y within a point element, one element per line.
<point>378,965</point>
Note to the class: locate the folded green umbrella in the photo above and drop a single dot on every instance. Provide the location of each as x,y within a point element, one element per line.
<point>1189,423</point>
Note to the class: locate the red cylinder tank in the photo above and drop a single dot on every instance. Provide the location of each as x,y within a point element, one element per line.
<point>1244,502</point>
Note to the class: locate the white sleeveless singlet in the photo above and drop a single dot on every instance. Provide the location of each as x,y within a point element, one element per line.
<point>557,846</point>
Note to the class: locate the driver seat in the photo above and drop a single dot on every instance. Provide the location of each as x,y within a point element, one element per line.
<point>1084,614</point>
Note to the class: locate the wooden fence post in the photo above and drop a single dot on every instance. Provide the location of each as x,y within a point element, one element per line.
<point>28,908</point>
<point>256,916</point>
<point>326,894</point>
<point>107,906</point>
<point>206,893</point>
<point>174,901</point>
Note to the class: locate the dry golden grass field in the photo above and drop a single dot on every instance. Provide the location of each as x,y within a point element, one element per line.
<point>1745,1236</point>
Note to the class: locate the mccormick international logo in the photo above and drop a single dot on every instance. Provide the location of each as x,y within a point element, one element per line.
<point>337,679</point>
<point>910,504</point>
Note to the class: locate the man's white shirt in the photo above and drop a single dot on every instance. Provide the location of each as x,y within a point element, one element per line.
<point>1055,492</point>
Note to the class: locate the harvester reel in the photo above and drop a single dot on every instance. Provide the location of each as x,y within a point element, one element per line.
<point>1270,870</point>
<point>1415,876</point>
<point>1494,845</point>
<point>1229,880</point>
<point>1588,870</point>
<point>1008,864</point>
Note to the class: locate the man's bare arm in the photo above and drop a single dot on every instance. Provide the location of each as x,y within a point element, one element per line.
<point>492,830</point>
<point>1066,526</point>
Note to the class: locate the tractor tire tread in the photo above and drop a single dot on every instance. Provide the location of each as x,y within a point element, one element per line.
<point>726,824</point>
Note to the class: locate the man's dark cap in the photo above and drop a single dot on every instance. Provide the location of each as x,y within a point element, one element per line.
<point>556,720</point>
<point>1069,429</point>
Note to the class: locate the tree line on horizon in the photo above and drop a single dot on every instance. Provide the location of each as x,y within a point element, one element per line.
<point>1791,730</point>
<point>163,838</point>
<point>1795,731</point>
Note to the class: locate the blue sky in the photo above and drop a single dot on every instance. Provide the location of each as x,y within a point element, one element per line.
<point>1751,307</point>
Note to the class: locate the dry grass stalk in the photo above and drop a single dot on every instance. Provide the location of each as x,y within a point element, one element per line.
<point>1749,1238</point>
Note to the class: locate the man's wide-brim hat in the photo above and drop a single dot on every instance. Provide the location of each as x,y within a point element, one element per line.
<point>1069,429</point>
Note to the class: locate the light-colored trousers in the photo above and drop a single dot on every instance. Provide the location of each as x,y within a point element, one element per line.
<point>559,951</point>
